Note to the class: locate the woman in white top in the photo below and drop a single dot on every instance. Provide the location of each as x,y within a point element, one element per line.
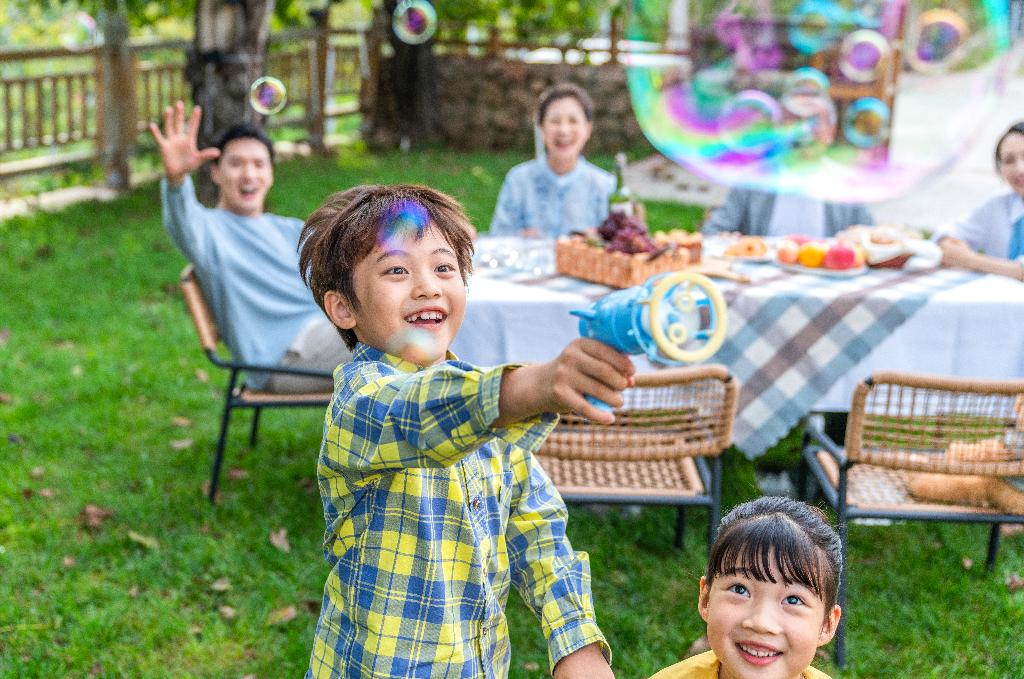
<point>991,238</point>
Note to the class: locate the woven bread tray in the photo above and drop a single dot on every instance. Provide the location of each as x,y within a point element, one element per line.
<point>574,257</point>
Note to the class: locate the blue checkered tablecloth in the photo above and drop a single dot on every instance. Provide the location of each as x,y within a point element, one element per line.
<point>792,336</point>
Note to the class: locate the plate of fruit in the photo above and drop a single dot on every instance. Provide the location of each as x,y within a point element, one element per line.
<point>801,254</point>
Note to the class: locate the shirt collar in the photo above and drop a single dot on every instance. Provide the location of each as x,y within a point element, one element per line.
<point>561,180</point>
<point>364,352</point>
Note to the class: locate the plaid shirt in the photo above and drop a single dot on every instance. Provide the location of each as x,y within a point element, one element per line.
<point>431,515</point>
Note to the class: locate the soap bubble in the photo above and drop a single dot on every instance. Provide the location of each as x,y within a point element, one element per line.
<point>863,55</point>
<point>414,21</point>
<point>935,39</point>
<point>78,31</point>
<point>415,345</point>
<point>866,122</point>
<point>267,95</point>
<point>406,219</point>
<point>854,125</point>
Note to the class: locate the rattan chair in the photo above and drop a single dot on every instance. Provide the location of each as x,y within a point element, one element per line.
<point>663,449</point>
<point>901,424</point>
<point>239,395</point>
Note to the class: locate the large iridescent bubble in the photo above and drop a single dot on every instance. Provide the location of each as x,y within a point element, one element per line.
<point>843,100</point>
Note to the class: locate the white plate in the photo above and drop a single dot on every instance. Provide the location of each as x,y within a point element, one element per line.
<point>715,247</point>
<point>822,271</point>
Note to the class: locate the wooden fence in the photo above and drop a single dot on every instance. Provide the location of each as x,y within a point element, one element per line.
<point>53,103</point>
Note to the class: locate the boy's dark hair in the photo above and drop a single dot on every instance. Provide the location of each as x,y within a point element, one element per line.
<point>792,536</point>
<point>561,91</point>
<point>347,226</point>
<point>245,131</point>
<point>1016,128</point>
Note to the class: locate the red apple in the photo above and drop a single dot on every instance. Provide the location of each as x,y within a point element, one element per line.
<point>840,256</point>
<point>788,251</point>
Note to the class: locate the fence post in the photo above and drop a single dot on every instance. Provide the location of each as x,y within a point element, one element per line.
<point>315,107</point>
<point>494,42</point>
<point>613,36</point>
<point>117,117</point>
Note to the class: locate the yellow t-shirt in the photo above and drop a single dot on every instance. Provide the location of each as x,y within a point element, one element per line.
<point>705,666</point>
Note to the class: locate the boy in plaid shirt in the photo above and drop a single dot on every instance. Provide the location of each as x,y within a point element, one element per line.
<point>433,500</point>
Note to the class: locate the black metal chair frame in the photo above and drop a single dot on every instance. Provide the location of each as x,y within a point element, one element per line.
<point>815,440</point>
<point>237,395</point>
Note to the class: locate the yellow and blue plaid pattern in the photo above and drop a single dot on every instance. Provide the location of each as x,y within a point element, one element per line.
<point>431,516</point>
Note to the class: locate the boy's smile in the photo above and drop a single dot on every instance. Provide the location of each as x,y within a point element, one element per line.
<point>763,629</point>
<point>408,291</point>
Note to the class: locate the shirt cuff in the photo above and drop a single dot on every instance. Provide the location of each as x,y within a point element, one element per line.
<point>572,638</point>
<point>528,434</point>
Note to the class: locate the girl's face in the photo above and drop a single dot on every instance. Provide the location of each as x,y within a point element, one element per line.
<point>1011,162</point>
<point>764,630</point>
<point>565,129</point>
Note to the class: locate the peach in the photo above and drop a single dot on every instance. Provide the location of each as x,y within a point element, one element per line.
<point>840,256</point>
<point>812,254</point>
<point>788,251</point>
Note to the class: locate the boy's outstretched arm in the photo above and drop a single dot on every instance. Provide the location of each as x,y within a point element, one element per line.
<point>178,143</point>
<point>585,367</point>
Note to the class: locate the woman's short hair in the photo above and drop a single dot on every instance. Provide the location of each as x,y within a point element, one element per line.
<point>349,224</point>
<point>1016,128</point>
<point>792,536</point>
<point>562,91</point>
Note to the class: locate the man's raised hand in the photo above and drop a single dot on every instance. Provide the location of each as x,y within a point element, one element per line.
<point>178,142</point>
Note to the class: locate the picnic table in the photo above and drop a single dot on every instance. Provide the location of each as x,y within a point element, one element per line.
<point>797,342</point>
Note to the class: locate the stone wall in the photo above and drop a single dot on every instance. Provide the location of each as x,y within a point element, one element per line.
<point>489,104</point>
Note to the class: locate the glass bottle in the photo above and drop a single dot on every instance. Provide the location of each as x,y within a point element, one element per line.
<point>621,200</point>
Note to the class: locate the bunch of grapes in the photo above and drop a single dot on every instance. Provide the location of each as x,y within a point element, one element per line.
<point>626,233</point>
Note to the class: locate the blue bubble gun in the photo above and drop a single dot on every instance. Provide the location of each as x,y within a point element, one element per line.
<point>674,319</point>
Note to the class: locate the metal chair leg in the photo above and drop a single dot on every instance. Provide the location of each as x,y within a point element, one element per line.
<point>844,538</point>
<point>993,546</point>
<point>218,457</point>
<point>255,427</point>
<point>715,509</point>
<point>680,525</point>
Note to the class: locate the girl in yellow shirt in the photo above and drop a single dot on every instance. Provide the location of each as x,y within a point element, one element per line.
<point>768,595</point>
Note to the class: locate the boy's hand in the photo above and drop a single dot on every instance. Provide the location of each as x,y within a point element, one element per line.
<point>586,663</point>
<point>584,368</point>
<point>178,143</point>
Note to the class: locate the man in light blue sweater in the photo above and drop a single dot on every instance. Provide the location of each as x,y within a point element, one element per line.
<point>245,258</point>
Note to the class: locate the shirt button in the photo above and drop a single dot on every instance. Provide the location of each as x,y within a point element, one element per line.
<point>476,503</point>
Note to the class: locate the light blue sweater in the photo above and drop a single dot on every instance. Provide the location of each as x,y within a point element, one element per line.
<point>533,196</point>
<point>249,270</point>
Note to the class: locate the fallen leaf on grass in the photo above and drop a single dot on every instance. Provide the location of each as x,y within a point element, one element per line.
<point>27,493</point>
<point>1010,529</point>
<point>47,492</point>
<point>967,563</point>
<point>76,370</point>
<point>822,654</point>
<point>68,561</point>
<point>530,666</point>
<point>144,540</point>
<point>37,472</point>
<point>220,585</point>
<point>226,612</point>
<point>312,605</point>
<point>96,669</point>
<point>133,591</point>
<point>181,422</point>
<point>6,398</point>
<point>279,538</point>
<point>699,646</point>
<point>1014,582</point>
<point>5,334</point>
<point>181,444</point>
<point>237,473</point>
<point>92,516</point>
<point>195,630</point>
<point>307,484</point>
<point>202,375</point>
<point>282,615</point>
<point>250,676</point>
<point>206,492</point>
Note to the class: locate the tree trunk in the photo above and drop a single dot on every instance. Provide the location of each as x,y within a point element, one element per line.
<point>226,56</point>
<point>405,108</point>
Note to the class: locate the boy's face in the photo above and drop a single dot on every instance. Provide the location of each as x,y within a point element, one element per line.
<point>764,630</point>
<point>244,174</point>
<point>405,288</point>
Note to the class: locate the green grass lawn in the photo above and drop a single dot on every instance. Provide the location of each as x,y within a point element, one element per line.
<point>105,399</point>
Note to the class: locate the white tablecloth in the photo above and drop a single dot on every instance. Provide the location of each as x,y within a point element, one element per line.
<point>973,330</point>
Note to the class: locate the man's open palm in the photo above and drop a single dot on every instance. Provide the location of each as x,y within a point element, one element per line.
<point>178,142</point>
